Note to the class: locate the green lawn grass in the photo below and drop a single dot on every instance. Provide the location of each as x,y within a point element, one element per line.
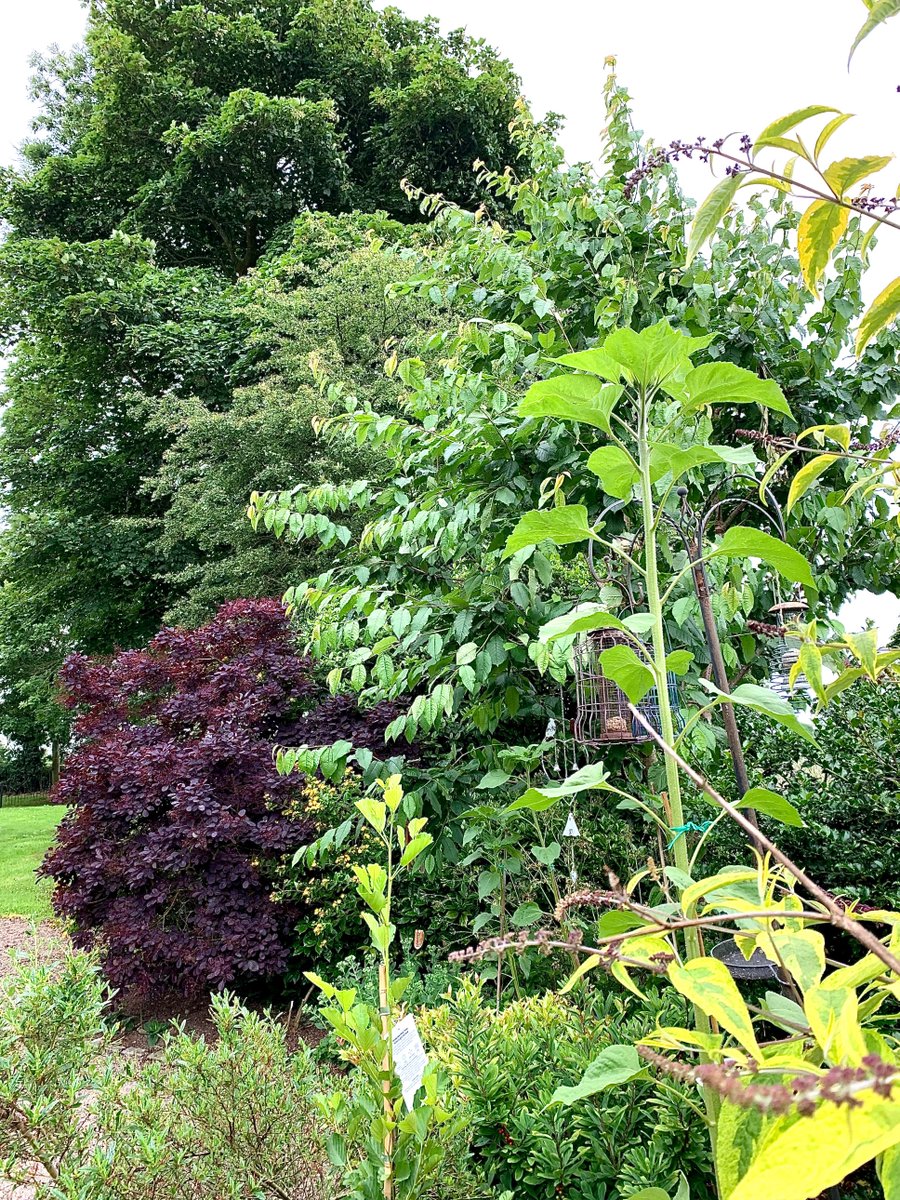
<point>25,834</point>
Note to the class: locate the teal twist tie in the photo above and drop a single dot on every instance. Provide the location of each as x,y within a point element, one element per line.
<point>691,827</point>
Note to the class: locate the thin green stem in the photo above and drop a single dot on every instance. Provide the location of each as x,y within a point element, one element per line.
<point>692,939</point>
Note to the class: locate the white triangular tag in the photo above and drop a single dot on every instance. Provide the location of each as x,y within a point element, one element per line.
<point>571,829</point>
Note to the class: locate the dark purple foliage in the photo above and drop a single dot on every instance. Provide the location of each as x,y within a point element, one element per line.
<point>339,718</point>
<point>176,808</point>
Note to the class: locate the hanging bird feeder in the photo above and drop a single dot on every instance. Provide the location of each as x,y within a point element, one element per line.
<point>602,715</point>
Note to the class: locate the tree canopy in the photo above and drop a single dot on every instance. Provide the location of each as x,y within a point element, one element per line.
<point>207,127</point>
<point>183,147</point>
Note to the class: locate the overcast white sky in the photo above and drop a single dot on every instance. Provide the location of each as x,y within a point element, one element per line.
<point>693,67</point>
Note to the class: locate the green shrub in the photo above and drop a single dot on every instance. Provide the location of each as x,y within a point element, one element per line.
<point>505,1067</point>
<point>847,789</point>
<point>226,1120</point>
<point>329,931</point>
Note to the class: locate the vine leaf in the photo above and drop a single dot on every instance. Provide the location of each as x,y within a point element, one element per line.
<point>821,228</point>
<point>710,214</point>
<point>879,12</point>
<point>883,309</point>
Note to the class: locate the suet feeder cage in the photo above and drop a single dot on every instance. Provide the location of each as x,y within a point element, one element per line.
<point>602,714</point>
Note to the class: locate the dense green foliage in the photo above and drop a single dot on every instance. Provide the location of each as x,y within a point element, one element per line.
<point>846,788</point>
<point>423,598</point>
<point>505,1070</point>
<point>208,127</point>
<point>197,1121</point>
<point>148,393</point>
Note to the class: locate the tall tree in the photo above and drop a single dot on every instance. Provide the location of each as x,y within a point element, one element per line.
<point>170,157</point>
<point>208,126</point>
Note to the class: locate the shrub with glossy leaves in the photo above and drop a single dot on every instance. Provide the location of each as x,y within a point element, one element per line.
<point>176,810</point>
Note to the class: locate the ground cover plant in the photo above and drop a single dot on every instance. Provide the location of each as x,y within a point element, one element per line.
<point>25,837</point>
<point>198,1121</point>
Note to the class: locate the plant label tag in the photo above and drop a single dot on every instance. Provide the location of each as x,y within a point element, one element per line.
<point>571,829</point>
<point>410,1059</point>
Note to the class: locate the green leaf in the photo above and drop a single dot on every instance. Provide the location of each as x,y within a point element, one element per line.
<point>572,397</point>
<point>788,1012</point>
<point>650,1193</point>
<point>679,661</point>
<point>845,172</point>
<point>666,457</point>
<point>580,620</point>
<point>807,475</point>
<point>614,1065</point>
<point>822,226</point>
<point>587,964</point>
<point>622,665</point>
<point>725,383</point>
<point>741,541</point>
<point>488,882</point>
<point>889,1173</point>
<point>879,12</point>
<point>710,214</point>
<point>773,805</point>
<point>466,653</point>
<point>652,355</point>
<point>414,848</point>
<point>526,914</point>
<point>641,622</point>
<point>865,648</point>
<point>738,1134</point>
<point>802,952</point>
<point>547,855</point>
<point>537,799</point>
<point>707,983</point>
<point>597,361</point>
<point>375,813</point>
<point>616,470</point>
<point>562,526</point>
<point>493,779</point>
<point>760,699</point>
<point>616,921</point>
<point>830,128</point>
<point>792,120</point>
<point>810,663</point>
<point>883,309</point>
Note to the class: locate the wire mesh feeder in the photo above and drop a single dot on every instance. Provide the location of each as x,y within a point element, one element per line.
<point>602,714</point>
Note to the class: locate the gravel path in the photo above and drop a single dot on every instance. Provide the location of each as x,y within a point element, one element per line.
<point>20,934</point>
